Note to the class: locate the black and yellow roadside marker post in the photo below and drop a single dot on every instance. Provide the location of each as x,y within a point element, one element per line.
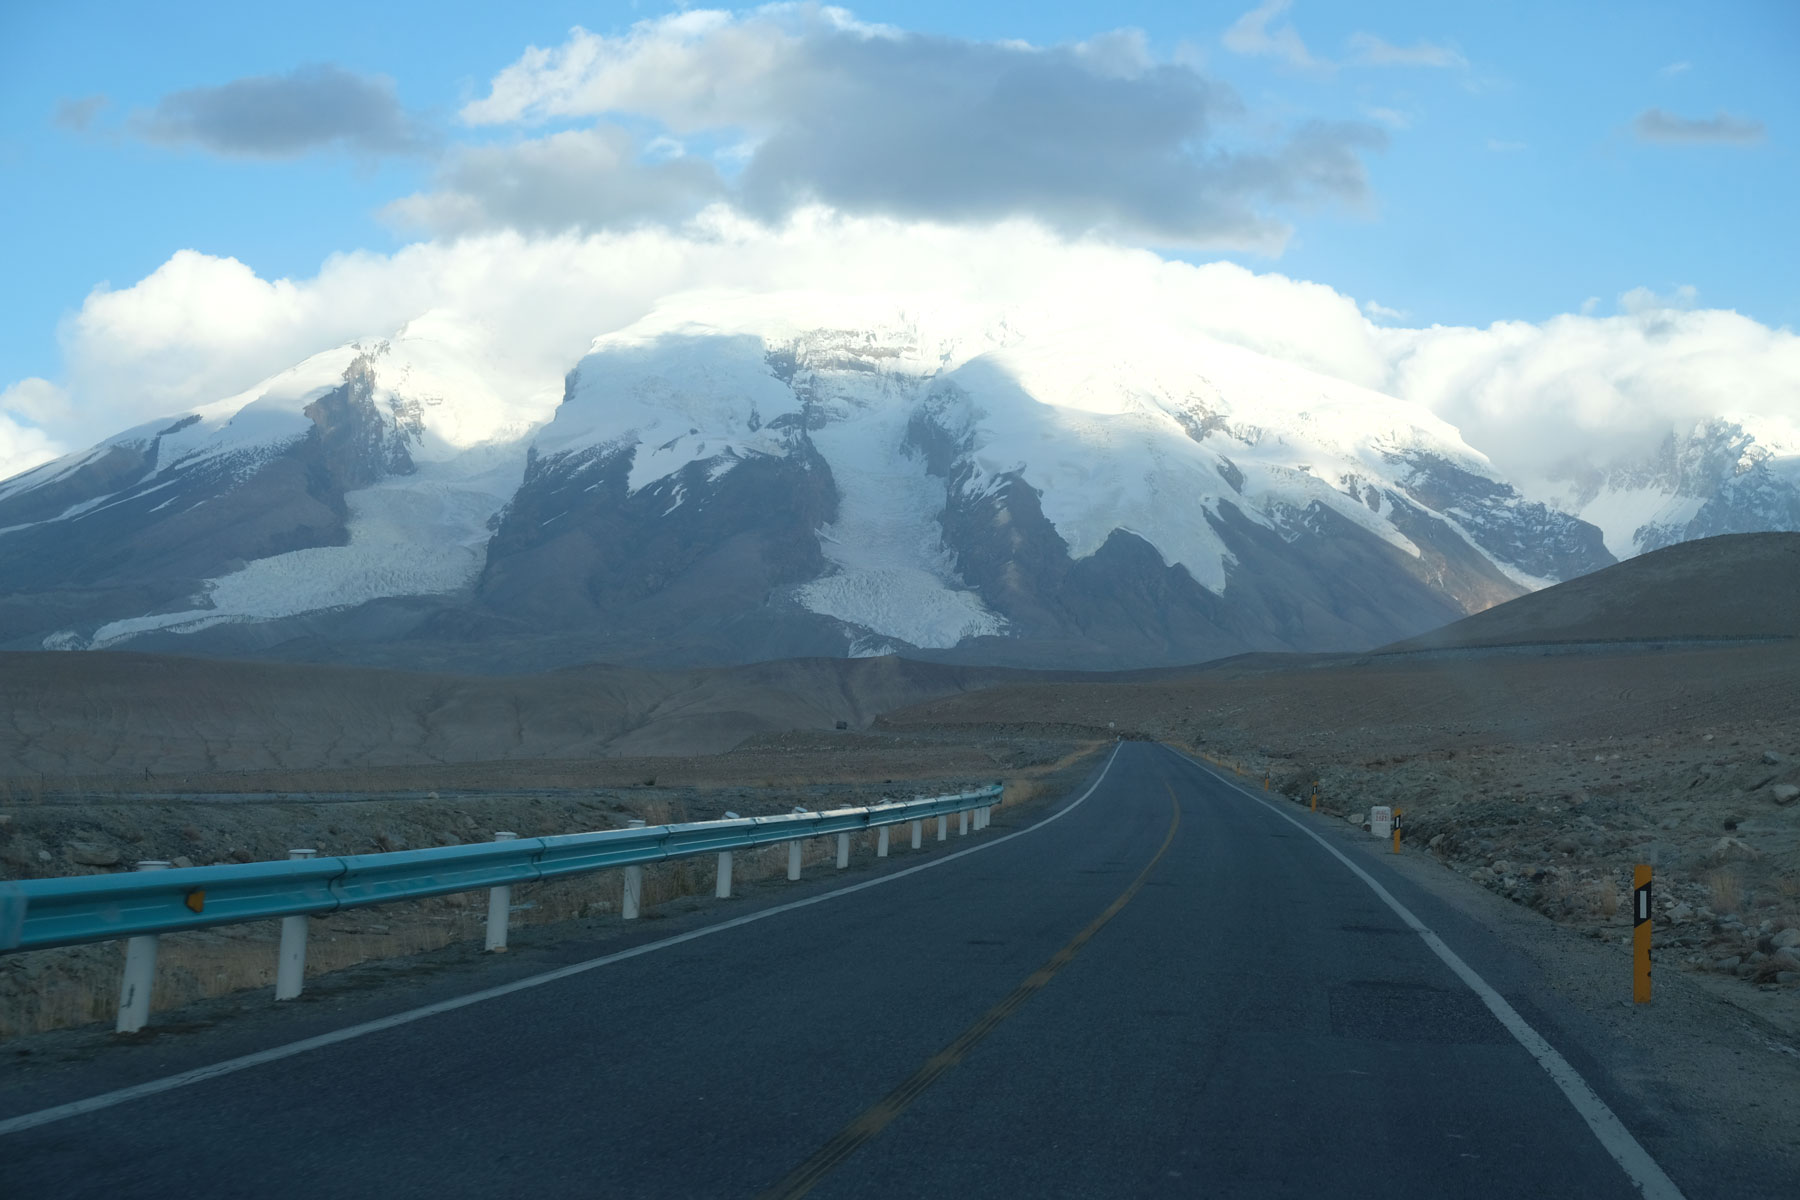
<point>1396,831</point>
<point>1315,796</point>
<point>1640,934</point>
<point>1265,781</point>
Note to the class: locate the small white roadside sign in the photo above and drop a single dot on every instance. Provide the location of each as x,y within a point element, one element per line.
<point>1381,821</point>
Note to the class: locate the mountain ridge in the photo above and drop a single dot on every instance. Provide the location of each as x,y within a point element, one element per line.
<point>743,477</point>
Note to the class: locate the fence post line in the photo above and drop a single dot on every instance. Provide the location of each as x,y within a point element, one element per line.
<point>140,971</point>
<point>499,905</point>
<point>722,889</point>
<point>290,959</point>
<point>881,843</point>
<point>843,850</point>
<point>918,833</point>
<point>943,827</point>
<point>634,882</point>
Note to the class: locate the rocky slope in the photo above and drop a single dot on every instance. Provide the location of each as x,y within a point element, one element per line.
<point>1721,476</point>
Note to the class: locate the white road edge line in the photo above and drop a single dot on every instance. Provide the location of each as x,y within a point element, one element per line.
<point>231,1066</point>
<point>1625,1149</point>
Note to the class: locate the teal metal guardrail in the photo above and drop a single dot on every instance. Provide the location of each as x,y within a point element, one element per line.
<point>93,908</point>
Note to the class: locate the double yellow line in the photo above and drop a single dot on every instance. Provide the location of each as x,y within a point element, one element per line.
<point>803,1178</point>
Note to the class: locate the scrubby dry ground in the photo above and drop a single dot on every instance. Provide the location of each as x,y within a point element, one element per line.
<point>359,811</point>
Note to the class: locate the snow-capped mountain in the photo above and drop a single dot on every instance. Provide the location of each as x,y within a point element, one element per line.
<point>1725,475</point>
<point>740,477</point>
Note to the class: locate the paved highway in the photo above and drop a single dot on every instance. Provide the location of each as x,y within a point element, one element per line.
<point>1170,988</point>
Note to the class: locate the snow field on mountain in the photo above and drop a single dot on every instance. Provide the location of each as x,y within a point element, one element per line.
<point>1088,412</point>
<point>683,398</point>
<point>417,535</point>
<point>1092,420</point>
<point>892,574</point>
<point>1621,512</point>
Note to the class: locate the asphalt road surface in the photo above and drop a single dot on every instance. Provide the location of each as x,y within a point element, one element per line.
<point>1170,988</point>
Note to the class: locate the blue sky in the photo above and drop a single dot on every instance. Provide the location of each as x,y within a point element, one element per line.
<point>1510,162</point>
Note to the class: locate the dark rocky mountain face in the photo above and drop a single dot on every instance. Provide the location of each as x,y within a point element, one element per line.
<point>1533,537</point>
<point>1735,481</point>
<point>158,524</point>
<point>698,558</point>
<point>1322,583</point>
<point>1716,478</point>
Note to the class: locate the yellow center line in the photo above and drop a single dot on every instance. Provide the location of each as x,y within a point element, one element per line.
<point>806,1176</point>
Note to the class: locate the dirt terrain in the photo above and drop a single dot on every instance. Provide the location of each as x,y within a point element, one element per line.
<point>1742,585</point>
<point>145,722</point>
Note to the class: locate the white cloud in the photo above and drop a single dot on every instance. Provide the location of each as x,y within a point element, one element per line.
<point>1393,118</point>
<point>1367,50</point>
<point>1530,395</point>
<point>1678,68</point>
<point>37,400</point>
<point>24,408</point>
<point>282,116</point>
<point>1645,300</point>
<point>200,328</point>
<point>1098,136</point>
<point>1536,397</point>
<point>1721,129</point>
<point>77,115</point>
<point>592,178</point>
<point>1255,33</point>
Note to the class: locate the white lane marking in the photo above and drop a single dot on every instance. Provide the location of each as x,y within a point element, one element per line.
<point>1631,1156</point>
<point>231,1066</point>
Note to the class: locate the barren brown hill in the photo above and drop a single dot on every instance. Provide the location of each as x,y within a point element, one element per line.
<point>124,714</point>
<point>1738,585</point>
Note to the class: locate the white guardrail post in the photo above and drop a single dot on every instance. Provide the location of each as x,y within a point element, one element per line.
<point>499,905</point>
<point>634,882</point>
<point>843,850</point>
<point>794,852</point>
<point>881,842</point>
<point>140,971</point>
<point>722,889</point>
<point>918,833</point>
<point>943,827</point>
<point>290,960</point>
<point>962,823</point>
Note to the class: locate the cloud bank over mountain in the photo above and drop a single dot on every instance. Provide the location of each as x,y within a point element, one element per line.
<point>1532,396</point>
